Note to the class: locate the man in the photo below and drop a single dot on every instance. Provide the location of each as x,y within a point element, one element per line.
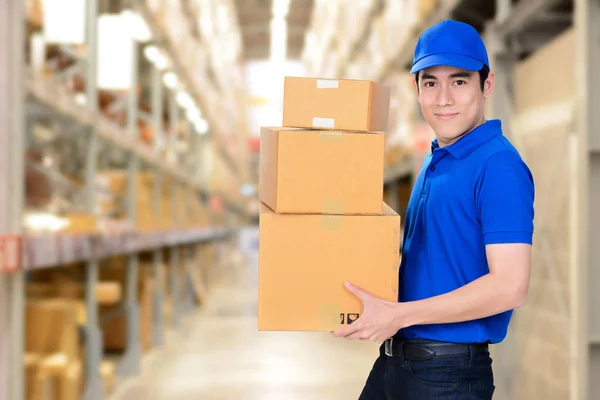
<point>467,241</point>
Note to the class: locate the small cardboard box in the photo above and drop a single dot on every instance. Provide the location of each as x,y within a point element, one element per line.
<point>321,172</point>
<point>343,104</point>
<point>304,261</point>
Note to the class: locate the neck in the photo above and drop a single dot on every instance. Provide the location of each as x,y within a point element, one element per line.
<point>444,143</point>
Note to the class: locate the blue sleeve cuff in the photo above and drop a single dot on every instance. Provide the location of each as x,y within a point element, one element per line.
<point>508,237</point>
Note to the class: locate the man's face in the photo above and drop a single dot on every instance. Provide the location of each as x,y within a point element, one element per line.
<point>452,101</point>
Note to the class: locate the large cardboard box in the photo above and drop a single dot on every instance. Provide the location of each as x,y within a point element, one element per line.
<point>344,104</point>
<point>321,172</point>
<point>304,261</point>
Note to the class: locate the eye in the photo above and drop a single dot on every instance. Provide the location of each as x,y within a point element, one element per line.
<point>429,84</point>
<point>460,82</point>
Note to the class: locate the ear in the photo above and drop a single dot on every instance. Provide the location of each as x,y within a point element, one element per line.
<point>416,87</point>
<point>489,85</point>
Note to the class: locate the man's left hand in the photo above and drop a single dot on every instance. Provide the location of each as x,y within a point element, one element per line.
<point>379,320</point>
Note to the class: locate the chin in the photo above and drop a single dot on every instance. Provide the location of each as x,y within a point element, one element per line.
<point>448,132</point>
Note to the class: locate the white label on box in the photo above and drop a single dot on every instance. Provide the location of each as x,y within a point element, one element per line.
<point>327,84</point>
<point>323,122</point>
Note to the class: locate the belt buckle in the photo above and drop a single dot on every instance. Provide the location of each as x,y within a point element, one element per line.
<point>388,347</point>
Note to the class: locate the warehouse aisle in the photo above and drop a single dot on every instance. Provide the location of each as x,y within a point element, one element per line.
<point>219,355</point>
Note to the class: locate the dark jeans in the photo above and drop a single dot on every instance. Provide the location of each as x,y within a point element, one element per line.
<point>451,378</point>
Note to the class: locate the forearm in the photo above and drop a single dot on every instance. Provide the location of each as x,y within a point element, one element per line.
<point>486,296</point>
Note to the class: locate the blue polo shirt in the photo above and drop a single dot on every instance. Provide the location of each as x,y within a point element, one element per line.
<point>475,192</point>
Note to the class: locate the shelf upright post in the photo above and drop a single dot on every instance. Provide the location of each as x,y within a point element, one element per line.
<point>158,326</point>
<point>188,163</point>
<point>12,135</point>
<point>175,256</point>
<point>174,128</point>
<point>94,388</point>
<point>189,155</point>
<point>132,361</point>
<point>585,209</point>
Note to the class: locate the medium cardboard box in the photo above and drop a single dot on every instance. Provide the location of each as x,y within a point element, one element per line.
<point>343,104</point>
<point>304,261</point>
<point>321,172</point>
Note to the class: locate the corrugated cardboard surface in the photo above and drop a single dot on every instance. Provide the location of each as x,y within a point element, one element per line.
<point>321,172</point>
<point>347,104</point>
<point>304,261</point>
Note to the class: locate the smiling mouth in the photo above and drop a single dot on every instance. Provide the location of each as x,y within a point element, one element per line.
<point>446,116</point>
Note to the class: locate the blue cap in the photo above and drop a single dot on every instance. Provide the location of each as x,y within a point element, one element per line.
<point>450,43</point>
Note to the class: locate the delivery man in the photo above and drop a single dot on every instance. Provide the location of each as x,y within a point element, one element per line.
<point>467,240</point>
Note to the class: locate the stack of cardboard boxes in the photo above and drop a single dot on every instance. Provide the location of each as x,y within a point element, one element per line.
<point>323,220</point>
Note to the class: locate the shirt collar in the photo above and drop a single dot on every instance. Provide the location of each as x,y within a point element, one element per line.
<point>472,140</point>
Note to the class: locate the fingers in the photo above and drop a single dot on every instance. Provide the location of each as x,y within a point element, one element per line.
<point>347,330</point>
<point>358,292</point>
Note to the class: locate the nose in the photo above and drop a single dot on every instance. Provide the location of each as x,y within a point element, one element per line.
<point>444,97</point>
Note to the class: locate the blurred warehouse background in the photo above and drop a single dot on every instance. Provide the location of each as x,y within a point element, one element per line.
<point>128,188</point>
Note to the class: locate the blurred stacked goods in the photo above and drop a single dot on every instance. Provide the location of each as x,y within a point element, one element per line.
<point>322,220</point>
<point>52,353</point>
<point>363,41</point>
<point>56,312</point>
<point>187,211</point>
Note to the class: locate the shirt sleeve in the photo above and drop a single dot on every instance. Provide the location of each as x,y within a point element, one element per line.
<point>505,200</point>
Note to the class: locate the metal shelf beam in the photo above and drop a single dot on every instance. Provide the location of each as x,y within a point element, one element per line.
<point>43,251</point>
<point>522,14</point>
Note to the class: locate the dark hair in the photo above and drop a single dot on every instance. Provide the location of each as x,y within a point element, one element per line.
<point>484,72</point>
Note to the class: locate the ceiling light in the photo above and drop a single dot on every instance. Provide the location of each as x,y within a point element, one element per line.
<point>152,53</point>
<point>170,79</point>
<point>64,21</point>
<point>184,100</point>
<point>80,98</point>
<point>193,113</point>
<point>201,126</point>
<point>139,29</point>
<point>156,57</point>
<point>280,8</point>
<point>115,53</point>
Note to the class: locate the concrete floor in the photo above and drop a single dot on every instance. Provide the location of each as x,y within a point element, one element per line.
<point>218,354</point>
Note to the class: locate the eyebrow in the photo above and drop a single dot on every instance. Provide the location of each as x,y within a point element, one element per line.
<point>461,74</point>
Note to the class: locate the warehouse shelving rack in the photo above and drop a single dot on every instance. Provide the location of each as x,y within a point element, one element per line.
<point>580,310</point>
<point>26,96</point>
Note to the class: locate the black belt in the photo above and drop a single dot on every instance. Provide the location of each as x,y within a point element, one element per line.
<point>415,349</point>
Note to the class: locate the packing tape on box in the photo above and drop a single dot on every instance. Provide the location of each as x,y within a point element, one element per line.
<point>331,136</point>
<point>330,316</point>
<point>319,122</point>
<point>331,222</point>
<point>327,84</point>
<point>333,207</point>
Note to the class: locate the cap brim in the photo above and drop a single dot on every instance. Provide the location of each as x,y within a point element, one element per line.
<point>447,59</point>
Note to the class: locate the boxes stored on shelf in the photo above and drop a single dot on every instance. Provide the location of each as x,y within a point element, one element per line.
<point>52,377</point>
<point>52,327</point>
<point>106,292</point>
<point>115,330</point>
<point>322,172</point>
<point>304,261</point>
<point>343,104</point>
<point>426,7</point>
